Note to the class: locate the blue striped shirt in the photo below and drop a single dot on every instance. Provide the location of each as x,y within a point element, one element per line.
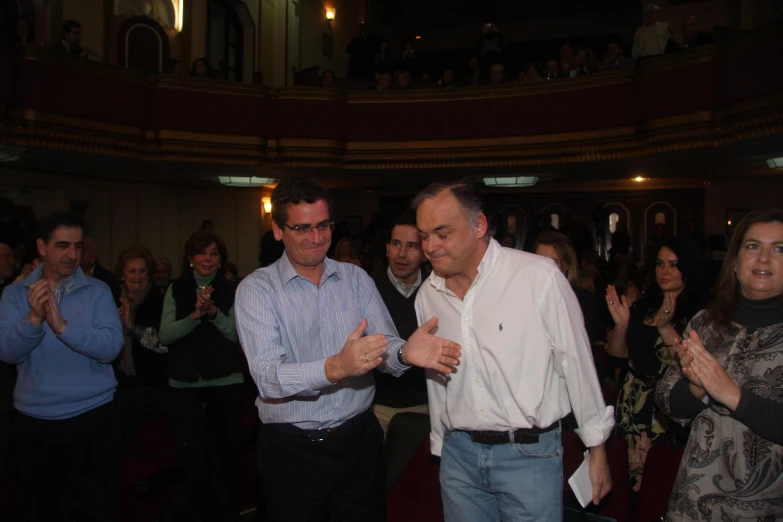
<point>288,326</point>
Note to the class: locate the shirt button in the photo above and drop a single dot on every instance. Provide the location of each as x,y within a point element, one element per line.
<point>476,381</point>
<point>466,319</point>
<point>471,350</point>
<point>482,410</point>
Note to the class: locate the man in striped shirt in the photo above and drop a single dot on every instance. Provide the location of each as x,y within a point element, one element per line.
<point>313,330</point>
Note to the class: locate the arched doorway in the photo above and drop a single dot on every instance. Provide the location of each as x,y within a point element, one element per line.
<point>143,45</point>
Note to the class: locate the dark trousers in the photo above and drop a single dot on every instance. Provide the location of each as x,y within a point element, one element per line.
<point>337,479</point>
<point>207,424</point>
<point>70,468</point>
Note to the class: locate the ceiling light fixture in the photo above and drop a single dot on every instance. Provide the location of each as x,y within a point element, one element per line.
<point>639,179</point>
<point>245,181</point>
<point>330,13</point>
<point>775,163</point>
<point>511,181</point>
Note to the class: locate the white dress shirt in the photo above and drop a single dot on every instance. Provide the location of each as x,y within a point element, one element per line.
<point>526,360</point>
<point>405,290</point>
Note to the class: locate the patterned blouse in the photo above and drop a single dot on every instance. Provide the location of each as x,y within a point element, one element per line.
<point>728,471</point>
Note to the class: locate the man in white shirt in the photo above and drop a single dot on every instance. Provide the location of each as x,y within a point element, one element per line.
<point>526,363</point>
<point>651,38</point>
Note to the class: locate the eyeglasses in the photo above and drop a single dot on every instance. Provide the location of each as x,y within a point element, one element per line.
<point>303,230</point>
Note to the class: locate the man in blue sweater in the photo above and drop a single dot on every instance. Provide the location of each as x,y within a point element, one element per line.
<point>61,329</point>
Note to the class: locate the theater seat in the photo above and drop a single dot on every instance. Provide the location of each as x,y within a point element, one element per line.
<point>660,471</point>
<point>415,497</point>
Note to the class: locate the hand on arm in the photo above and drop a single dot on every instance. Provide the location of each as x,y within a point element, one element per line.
<point>360,354</point>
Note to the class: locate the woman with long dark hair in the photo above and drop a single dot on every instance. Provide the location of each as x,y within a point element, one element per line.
<point>645,333</point>
<point>205,375</point>
<point>728,385</point>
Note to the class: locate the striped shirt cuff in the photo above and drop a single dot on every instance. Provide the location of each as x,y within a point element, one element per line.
<point>314,374</point>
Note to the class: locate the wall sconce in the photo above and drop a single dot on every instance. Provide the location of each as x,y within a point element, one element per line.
<point>267,202</point>
<point>330,13</point>
<point>178,16</point>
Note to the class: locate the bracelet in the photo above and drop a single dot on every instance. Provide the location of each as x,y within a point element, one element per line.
<point>399,357</point>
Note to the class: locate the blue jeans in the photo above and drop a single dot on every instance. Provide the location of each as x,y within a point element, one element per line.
<point>503,482</point>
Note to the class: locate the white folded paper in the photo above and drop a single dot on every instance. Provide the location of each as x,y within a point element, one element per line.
<point>580,482</point>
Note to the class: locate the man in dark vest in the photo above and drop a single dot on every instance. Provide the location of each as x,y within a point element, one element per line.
<point>398,286</point>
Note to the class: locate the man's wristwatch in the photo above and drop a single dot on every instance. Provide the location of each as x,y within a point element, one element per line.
<point>399,356</point>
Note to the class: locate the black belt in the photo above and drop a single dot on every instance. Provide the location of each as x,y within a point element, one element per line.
<point>353,425</point>
<point>519,436</point>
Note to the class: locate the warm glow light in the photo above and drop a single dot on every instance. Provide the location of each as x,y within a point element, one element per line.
<point>178,15</point>
<point>330,13</point>
<point>267,205</point>
<point>728,222</point>
<point>418,37</point>
<point>639,179</point>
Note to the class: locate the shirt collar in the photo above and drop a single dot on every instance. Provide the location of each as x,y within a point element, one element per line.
<point>401,287</point>
<point>486,264</point>
<point>288,272</point>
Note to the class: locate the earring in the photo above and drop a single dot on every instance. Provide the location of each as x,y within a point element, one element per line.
<point>191,265</point>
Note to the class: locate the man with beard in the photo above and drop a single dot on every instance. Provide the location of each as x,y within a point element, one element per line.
<point>313,329</point>
<point>61,329</point>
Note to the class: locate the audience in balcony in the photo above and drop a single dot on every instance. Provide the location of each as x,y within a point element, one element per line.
<point>410,58</point>
<point>201,69</point>
<point>327,79</point>
<point>472,76</point>
<point>553,70</point>
<point>614,57</point>
<point>362,48</point>
<point>384,59</point>
<point>71,41</point>
<point>529,73</point>
<point>687,36</point>
<point>490,46</point>
<point>651,38</point>
<point>566,57</point>
<point>497,74</point>
<point>403,81</point>
<point>383,82</point>
<point>447,80</point>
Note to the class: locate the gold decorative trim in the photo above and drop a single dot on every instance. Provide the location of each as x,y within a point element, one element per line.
<point>744,120</point>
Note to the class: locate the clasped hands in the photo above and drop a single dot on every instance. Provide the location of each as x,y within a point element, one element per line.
<point>204,304</point>
<point>44,307</point>
<point>362,353</point>
<point>705,373</point>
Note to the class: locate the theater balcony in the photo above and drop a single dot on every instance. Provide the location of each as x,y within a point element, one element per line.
<point>723,101</point>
